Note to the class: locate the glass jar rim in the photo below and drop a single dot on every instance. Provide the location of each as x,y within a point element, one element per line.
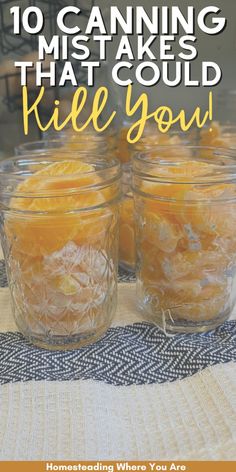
<point>150,164</point>
<point>69,131</point>
<point>13,171</point>
<point>228,129</point>
<point>46,145</point>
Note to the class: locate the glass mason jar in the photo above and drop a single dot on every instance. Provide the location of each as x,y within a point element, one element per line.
<point>150,139</point>
<point>69,143</point>
<point>127,245</point>
<point>218,135</point>
<point>59,236</point>
<point>185,212</point>
<point>127,252</point>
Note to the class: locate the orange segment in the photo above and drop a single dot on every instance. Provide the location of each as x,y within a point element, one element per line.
<point>161,232</point>
<point>57,176</point>
<point>41,234</point>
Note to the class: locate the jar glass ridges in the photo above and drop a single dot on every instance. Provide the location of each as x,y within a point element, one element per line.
<point>60,241</point>
<point>185,211</point>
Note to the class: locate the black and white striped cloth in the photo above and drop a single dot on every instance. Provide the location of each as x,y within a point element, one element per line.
<point>131,355</point>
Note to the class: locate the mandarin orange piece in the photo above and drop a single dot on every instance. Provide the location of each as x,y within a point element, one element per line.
<point>54,219</point>
<point>161,232</point>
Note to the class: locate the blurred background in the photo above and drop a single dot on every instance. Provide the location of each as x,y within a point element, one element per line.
<point>220,49</point>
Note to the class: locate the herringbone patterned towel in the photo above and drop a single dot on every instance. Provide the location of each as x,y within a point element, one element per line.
<point>134,354</point>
